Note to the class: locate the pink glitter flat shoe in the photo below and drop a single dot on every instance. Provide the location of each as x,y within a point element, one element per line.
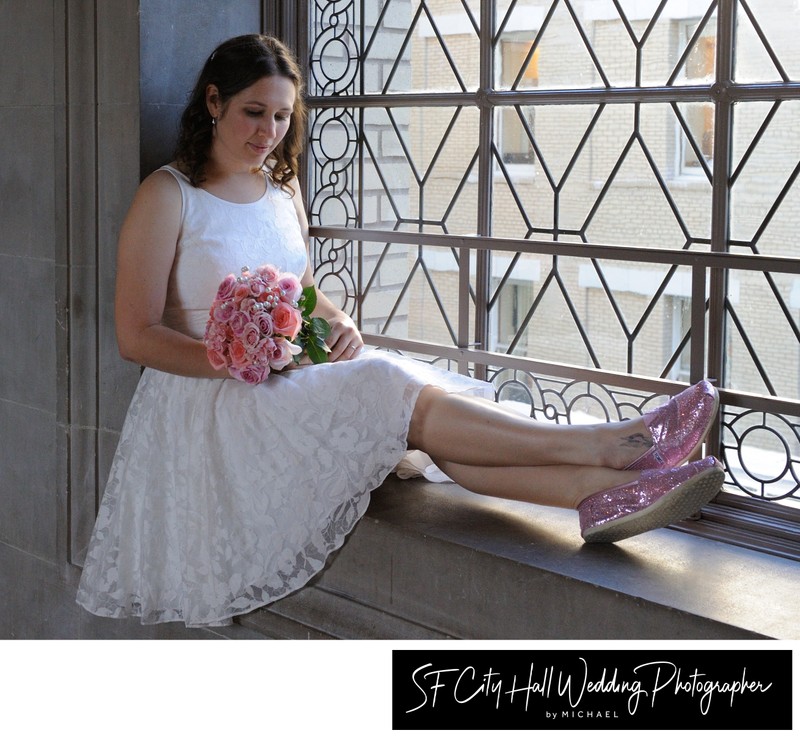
<point>659,498</point>
<point>679,427</point>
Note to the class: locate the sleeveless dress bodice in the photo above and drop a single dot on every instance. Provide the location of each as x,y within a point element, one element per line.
<point>217,238</point>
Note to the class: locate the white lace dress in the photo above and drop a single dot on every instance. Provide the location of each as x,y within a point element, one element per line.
<point>223,496</point>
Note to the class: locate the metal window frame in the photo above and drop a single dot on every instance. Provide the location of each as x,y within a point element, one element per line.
<point>746,522</point>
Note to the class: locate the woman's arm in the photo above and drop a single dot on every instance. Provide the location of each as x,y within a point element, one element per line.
<point>147,244</point>
<point>345,339</point>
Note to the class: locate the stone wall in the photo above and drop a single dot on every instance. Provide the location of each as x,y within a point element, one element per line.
<point>71,164</point>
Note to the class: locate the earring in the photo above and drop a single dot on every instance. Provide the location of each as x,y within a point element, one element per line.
<point>213,121</point>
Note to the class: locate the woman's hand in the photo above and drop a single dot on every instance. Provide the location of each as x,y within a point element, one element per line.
<point>345,340</point>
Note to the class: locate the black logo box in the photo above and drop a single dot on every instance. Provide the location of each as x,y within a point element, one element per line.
<point>601,690</point>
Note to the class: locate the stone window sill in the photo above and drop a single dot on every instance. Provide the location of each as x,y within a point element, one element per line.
<point>435,561</point>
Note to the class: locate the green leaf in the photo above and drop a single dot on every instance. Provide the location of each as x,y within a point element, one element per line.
<point>316,354</point>
<point>320,327</point>
<point>309,300</point>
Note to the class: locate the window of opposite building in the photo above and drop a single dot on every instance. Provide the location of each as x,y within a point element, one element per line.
<point>699,116</point>
<point>519,69</point>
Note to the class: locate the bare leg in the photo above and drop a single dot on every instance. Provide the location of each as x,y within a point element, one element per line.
<point>493,452</point>
<point>556,486</point>
<point>464,430</point>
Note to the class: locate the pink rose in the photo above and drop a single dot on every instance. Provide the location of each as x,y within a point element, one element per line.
<point>215,343</point>
<point>291,288</point>
<point>238,354</point>
<point>264,323</point>
<point>269,274</point>
<point>283,353</point>
<point>247,304</point>
<point>237,322</point>
<point>257,287</point>
<point>241,291</point>
<point>216,359</point>
<point>251,337</point>
<point>265,350</point>
<point>250,374</point>
<point>287,320</point>
<point>223,312</point>
<point>226,288</point>
<point>214,332</point>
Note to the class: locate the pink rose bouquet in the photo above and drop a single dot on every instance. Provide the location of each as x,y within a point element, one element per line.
<point>261,322</point>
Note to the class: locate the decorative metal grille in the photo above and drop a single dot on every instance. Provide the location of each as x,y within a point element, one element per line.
<point>590,203</point>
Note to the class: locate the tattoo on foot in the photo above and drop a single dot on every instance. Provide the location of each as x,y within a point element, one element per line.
<point>636,440</point>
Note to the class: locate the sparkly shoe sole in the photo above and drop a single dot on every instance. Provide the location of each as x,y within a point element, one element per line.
<point>677,504</point>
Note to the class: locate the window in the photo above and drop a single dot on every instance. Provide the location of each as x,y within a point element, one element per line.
<point>415,104</point>
<point>515,143</point>
<point>513,303</point>
<point>679,322</point>
<point>699,116</point>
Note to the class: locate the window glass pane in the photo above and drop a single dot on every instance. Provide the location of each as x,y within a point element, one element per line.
<point>621,317</point>
<point>335,274</point>
<point>549,47</point>
<point>614,40</point>
<point>518,65</point>
<point>762,346</point>
<point>414,46</point>
<point>410,292</point>
<point>765,196</point>
<point>766,41</point>
<point>604,44</point>
<point>693,39</point>
<point>420,169</point>
<point>605,174</point>
<point>679,314</point>
<point>333,146</point>
<point>516,146</point>
<point>701,40</point>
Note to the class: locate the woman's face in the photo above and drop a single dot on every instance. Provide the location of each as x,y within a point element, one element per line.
<point>252,123</point>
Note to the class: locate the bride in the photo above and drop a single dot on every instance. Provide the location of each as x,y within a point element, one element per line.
<point>225,496</point>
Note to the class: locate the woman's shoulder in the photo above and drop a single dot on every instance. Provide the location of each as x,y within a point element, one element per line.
<point>165,182</point>
<point>167,175</point>
<point>159,194</point>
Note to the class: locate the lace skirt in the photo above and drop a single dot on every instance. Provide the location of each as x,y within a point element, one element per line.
<point>223,497</point>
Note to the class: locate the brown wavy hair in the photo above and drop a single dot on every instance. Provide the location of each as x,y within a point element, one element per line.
<point>233,66</point>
